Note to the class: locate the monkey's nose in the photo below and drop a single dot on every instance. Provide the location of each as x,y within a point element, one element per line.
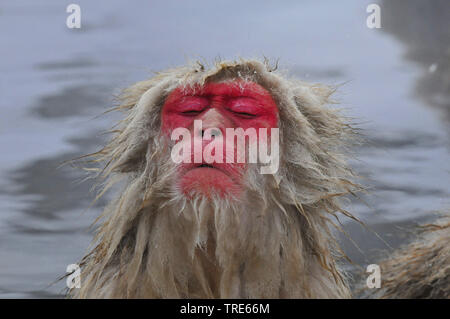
<point>214,120</point>
<point>214,132</point>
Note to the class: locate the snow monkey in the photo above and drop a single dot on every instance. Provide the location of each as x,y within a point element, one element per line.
<point>420,269</point>
<point>220,227</point>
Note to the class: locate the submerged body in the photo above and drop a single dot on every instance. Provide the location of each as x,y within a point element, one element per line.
<point>420,269</point>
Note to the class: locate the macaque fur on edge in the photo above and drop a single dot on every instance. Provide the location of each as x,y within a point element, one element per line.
<point>420,269</point>
<point>269,236</point>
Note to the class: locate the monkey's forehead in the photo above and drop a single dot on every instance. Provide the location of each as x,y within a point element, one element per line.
<point>229,88</point>
<point>196,75</point>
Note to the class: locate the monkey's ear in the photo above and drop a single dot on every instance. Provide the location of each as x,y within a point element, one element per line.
<point>323,93</point>
<point>126,151</point>
<point>311,96</point>
<point>130,96</point>
<point>329,123</point>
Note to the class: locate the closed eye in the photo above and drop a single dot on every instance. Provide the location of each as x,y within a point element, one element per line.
<point>192,112</point>
<point>245,114</point>
<point>244,107</point>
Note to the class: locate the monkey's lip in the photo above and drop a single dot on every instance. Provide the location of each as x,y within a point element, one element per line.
<point>207,166</point>
<point>230,170</point>
<point>205,178</point>
<point>210,169</point>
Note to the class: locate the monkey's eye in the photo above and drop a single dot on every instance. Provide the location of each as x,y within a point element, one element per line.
<point>191,105</point>
<point>191,112</point>
<point>244,107</point>
<point>192,109</point>
<point>245,115</point>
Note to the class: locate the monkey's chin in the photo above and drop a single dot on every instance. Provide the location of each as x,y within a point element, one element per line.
<point>208,182</point>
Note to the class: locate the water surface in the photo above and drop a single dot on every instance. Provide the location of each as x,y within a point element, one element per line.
<point>55,81</point>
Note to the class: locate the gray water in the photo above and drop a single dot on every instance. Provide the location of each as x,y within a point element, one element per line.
<point>55,81</point>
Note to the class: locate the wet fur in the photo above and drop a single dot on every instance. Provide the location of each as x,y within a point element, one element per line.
<point>275,242</point>
<point>420,269</point>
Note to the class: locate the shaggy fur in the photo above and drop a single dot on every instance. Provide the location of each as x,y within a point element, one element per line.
<point>420,269</point>
<point>274,242</point>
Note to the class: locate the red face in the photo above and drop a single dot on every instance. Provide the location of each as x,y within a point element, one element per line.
<point>235,104</point>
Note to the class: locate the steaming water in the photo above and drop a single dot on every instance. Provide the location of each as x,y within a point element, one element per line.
<point>54,81</point>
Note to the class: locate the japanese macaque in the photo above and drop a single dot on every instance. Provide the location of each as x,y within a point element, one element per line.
<point>222,229</point>
<point>420,269</point>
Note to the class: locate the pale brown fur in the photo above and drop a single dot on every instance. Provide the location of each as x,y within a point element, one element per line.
<point>420,269</point>
<point>274,242</point>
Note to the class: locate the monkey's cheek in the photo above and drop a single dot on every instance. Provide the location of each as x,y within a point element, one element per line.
<point>209,182</point>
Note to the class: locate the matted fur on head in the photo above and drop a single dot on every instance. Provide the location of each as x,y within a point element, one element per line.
<point>275,242</point>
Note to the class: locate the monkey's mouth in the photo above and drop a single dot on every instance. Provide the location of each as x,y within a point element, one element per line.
<point>205,165</point>
<point>206,179</point>
<point>210,166</point>
<point>227,169</point>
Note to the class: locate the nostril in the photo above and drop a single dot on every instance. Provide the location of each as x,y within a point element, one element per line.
<point>213,132</point>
